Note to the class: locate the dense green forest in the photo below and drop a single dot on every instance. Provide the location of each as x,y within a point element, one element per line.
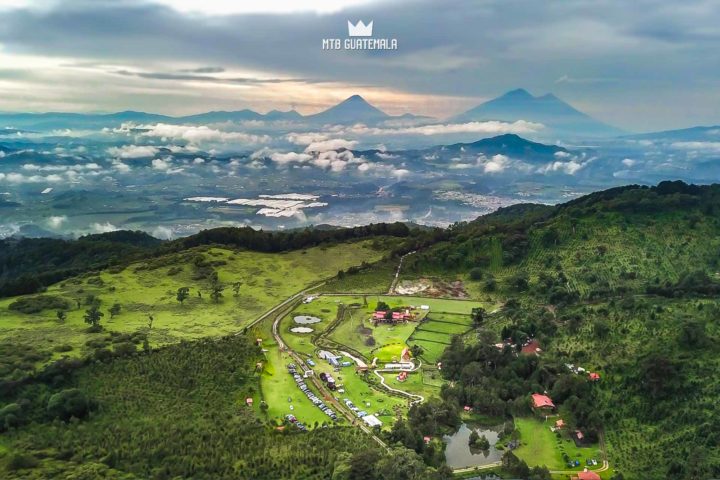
<point>624,282</point>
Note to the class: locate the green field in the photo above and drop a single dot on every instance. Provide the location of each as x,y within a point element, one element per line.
<point>540,446</point>
<point>150,287</point>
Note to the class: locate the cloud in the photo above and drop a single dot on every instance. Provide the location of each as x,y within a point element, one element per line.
<point>497,164</point>
<point>290,157</point>
<point>192,133</point>
<point>333,144</point>
<point>161,164</point>
<point>14,177</point>
<point>629,162</point>
<point>133,151</point>
<point>488,128</point>
<point>705,147</point>
<point>106,227</point>
<point>570,168</point>
<point>56,221</point>
<point>163,233</point>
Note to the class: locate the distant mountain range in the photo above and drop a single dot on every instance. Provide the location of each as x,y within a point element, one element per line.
<point>559,119</point>
<point>557,116</point>
<point>693,134</point>
<point>354,109</point>
<point>510,145</point>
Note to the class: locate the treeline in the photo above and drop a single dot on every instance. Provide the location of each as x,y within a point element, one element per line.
<point>509,230</point>
<point>28,265</point>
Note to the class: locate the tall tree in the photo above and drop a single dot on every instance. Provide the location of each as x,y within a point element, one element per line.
<point>182,294</point>
<point>93,315</point>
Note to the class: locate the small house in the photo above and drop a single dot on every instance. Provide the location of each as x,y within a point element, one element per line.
<point>372,421</point>
<point>467,408</point>
<point>531,348</point>
<point>560,424</point>
<point>542,403</point>
<point>249,401</point>
<point>594,377</point>
<point>586,475</point>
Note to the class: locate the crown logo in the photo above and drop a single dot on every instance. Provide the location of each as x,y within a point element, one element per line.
<point>360,30</point>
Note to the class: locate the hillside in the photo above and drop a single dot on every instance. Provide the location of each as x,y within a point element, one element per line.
<point>624,283</point>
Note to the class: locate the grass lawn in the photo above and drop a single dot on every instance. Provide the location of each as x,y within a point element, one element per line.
<point>150,287</point>
<point>278,385</point>
<point>540,446</point>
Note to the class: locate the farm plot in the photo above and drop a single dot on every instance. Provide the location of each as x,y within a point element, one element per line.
<point>434,334</point>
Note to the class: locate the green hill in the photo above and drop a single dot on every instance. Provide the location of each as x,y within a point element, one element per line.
<point>624,283</point>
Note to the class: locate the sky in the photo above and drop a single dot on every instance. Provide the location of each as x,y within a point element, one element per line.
<point>641,65</point>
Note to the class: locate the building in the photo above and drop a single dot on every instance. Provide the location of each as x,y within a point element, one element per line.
<point>594,377</point>
<point>372,421</point>
<point>560,423</point>
<point>531,348</point>
<point>249,401</point>
<point>542,403</point>
<point>586,475</point>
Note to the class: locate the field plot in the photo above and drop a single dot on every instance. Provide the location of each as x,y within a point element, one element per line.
<point>540,446</point>
<point>436,331</point>
<point>150,289</point>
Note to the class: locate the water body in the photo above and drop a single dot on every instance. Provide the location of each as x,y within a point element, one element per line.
<point>301,329</point>
<point>458,453</point>
<point>305,319</point>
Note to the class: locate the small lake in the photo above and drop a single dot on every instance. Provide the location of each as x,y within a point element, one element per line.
<point>305,319</point>
<point>301,329</point>
<point>458,453</point>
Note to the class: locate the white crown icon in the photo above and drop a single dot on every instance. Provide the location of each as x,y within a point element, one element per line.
<point>360,30</point>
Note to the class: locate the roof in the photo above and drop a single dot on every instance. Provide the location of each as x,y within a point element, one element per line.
<point>372,420</point>
<point>579,434</point>
<point>588,476</point>
<point>594,376</point>
<point>532,348</point>
<point>542,401</point>
<point>560,423</point>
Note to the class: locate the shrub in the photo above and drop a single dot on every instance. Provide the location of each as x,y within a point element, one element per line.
<point>38,304</point>
<point>68,403</point>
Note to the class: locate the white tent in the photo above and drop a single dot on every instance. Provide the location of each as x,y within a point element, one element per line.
<point>372,421</point>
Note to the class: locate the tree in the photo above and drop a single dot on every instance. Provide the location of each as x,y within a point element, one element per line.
<point>236,288</point>
<point>182,294</point>
<point>68,403</point>
<point>382,306</point>
<point>216,292</point>
<point>92,316</point>
<point>416,350</point>
<point>114,310</point>
<point>151,319</point>
<point>478,316</point>
<point>476,274</point>
<point>61,316</point>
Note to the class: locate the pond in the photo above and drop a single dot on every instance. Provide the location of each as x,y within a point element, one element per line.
<point>301,329</point>
<point>458,453</point>
<point>304,319</point>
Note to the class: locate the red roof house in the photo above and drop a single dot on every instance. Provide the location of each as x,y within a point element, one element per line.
<point>542,401</point>
<point>560,423</point>
<point>587,475</point>
<point>379,315</point>
<point>531,348</point>
<point>249,401</point>
<point>594,376</point>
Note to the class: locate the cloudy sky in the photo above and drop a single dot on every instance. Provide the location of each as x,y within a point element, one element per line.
<point>640,65</point>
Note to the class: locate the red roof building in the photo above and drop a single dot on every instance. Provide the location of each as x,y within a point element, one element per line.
<point>532,348</point>
<point>587,475</point>
<point>542,401</point>
<point>379,315</point>
<point>249,402</point>
<point>560,424</point>
<point>594,376</point>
